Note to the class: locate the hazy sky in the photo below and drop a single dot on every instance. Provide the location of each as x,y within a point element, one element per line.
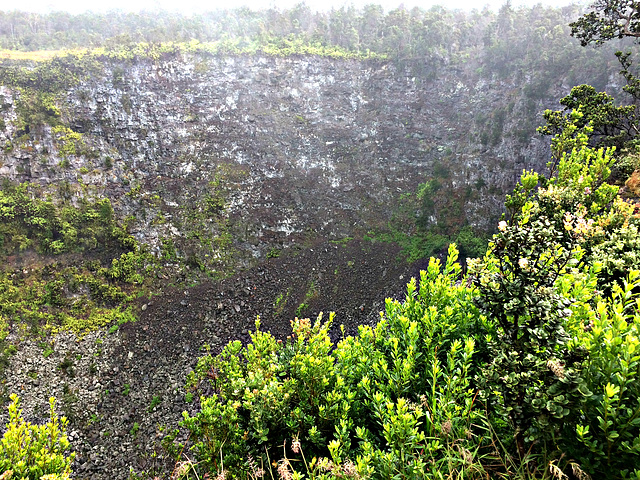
<point>190,6</point>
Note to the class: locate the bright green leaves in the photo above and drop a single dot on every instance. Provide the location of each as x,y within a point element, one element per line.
<point>611,391</point>
<point>618,254</point>
<point>41,296</point>
<point>563,360</point>
<point>527,331</point>
<point>68,142</point>
<point>610,425</point>
<point>518,204</point>
<point>404,438</point>
<point>33,451</point>
<point>391,399</point>
<point>580,181</point>
<point>126,268</point>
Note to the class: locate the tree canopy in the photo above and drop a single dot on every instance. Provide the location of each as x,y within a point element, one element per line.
<point>608,19</point>
<point>611,125</point>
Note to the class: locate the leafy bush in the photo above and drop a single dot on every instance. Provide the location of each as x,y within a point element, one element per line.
<point>609,429</point>
<point>618,254</point>
<point>390,400</point>
<point>517,285</point>
<point>531,356</point>
<point>126,267</point>
<point>33,451</point>
<point>540,283</point>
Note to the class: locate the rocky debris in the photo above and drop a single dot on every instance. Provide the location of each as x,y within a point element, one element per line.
<point>124,391</point>
<point>304,144</point>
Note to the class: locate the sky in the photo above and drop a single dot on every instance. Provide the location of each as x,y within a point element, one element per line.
<point>195,6</point>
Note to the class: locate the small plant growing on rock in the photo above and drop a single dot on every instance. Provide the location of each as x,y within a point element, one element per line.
<point>47,349</point>
<point>301,308</point>
<point>155,402</point>
<point>67,366</point>
<point>281,302</point>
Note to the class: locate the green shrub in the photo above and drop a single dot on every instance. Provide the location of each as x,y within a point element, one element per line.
<point>126,268</point>
<point>609,428</point>
<point>470,243</point>
<point>388,401</point>
<point>517,290</point>
<point>563,374</point>
<point>33,451</point>
<point>618,254</point>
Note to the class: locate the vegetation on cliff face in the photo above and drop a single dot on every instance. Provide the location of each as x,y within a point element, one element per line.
<point>83,272</point>
<point>30,222</point>
<point>523,365</point>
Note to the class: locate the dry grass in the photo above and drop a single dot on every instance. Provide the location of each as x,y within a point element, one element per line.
<point>633,184</point>
<point>36,56</point>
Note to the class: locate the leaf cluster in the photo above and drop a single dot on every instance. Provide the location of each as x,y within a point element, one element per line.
<point>608,19</point>
<point>32,451</point>
<point>391,400</point>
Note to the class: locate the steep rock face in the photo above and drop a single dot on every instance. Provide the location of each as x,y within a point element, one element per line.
<point>291,145</point>
<point>268,152</point>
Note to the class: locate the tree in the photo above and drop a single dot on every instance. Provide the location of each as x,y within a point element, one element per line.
<point>611,125</point>
<point>607,125</point>
<point>608,19</point>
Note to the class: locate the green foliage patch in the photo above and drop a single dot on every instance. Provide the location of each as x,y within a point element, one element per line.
<point>28,221</point>
<point>36,90</point>
<point>35,452</point>
<point>526,366</point>
<point>50,295</point>
<point>390,400</point>
<point>413,228</point>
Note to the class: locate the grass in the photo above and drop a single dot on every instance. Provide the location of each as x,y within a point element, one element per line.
<point>37,55</point>
<point>301,308</point>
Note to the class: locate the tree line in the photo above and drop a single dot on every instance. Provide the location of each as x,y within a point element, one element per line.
<point>512,40</point>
